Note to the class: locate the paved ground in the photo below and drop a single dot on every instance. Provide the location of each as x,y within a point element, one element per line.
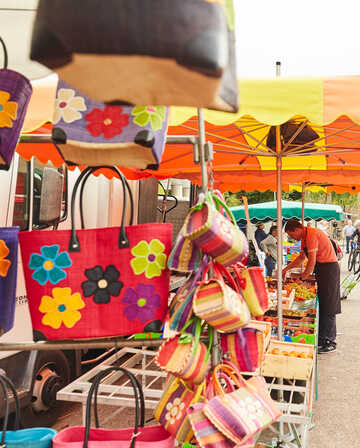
<point>336,414</point>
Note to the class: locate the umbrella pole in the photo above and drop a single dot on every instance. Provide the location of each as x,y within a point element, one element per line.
<point>279,232</point>
<point>303,204</point>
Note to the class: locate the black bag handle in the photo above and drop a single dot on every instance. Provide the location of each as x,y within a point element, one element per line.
<point>6,59</point>
<point>74,244</point>
<point>6,383</point>
<point>138,398</point>
<point>82,200</point>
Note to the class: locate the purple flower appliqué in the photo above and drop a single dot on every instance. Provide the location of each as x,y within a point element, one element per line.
<point>141,302</point>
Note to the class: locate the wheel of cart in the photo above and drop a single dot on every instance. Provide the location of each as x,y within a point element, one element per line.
<point>356,261</point>
<point>351,256</point>
<point>347,285</point>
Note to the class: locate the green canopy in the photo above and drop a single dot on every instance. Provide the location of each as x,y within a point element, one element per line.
<point>266,211</point>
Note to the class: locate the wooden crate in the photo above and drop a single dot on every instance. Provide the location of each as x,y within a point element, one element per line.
<point>263,326</point>
<point>291,367</point>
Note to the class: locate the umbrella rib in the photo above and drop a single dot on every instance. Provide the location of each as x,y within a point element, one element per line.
<point>258,141</point>
<point>238,143</point>
<point>300,128</point>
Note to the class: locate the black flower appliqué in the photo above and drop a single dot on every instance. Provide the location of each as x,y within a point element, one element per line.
<point>102,284</point>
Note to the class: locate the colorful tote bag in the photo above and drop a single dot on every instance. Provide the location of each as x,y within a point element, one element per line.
<point>252,284</point>
<point>92,133</point>
<point>185,356</point>
<point>137,436</point>
<point>8,276</point>
<point>215,234</point>
<point>245,348</point>
<point>98,282</point>
<point>218,304</point>
<point>173,53</point>
<point>15,94</point>
<point>171,410</point>
<point>241,414</point>
<point>185,255</point>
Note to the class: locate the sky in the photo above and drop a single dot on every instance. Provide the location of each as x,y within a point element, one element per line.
<point>308,37</point>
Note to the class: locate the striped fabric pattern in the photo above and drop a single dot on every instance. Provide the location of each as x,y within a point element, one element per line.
<point>185,255</point>
<point>181,307</point>
<point>171,409</point>
<point>180,359</point>
<point>216,235</point>
<point>255,292</point>
<point>246,356</point>
<point>220,306</point>
<point>207,435</point>
<point>243,413</point>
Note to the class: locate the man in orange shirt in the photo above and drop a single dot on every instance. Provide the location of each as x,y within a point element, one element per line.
<point>318,249</point>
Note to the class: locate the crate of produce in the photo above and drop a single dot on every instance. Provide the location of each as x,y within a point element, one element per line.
<point>288,360</point>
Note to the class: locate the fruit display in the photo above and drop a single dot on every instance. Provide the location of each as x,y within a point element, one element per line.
<point>302,290</point>
<point>294,354</point>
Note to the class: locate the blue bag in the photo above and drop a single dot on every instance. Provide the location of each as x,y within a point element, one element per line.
<point>21,438</point>
<point>8,274</point>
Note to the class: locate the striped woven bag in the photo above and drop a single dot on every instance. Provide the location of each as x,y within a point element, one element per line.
<point>185,356</point>
<point>218,304</point>
<point>215,234</point>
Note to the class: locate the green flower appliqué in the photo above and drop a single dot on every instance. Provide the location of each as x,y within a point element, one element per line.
<point>154,114</point>
<point>149,258</point>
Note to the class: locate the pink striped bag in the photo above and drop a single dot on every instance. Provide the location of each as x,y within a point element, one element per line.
<point>218,304</point>
<point>241,414</point>
<point>215,234</point>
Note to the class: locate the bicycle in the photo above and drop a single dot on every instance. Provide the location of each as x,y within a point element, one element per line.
<point>351,256</point>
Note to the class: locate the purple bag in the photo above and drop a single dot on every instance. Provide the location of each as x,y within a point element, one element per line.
<point>15,94</point>
<point>92,133</point>
<point>8,275</point>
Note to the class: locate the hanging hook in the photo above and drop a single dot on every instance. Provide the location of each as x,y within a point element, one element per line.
<point>6,59</point>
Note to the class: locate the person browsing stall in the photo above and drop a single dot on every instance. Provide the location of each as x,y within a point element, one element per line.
<point>318,249</point>
<point>348,230</point>
<point>269,246</point>
<point>260,234</point>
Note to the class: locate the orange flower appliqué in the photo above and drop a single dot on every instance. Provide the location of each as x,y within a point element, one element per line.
<point>4,264</point>
<point>8,110</point>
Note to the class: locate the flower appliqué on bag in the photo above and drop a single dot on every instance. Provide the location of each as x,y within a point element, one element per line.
<point>68,106</point>
<point>62,308</point>
<point>175,410</point>
<point>50,265</point>
<point>141,303</point>
<point>4,264</point>
<point>250,409</point>
<point>149,258</point>
<point>226,228</point>
<point>102,284</point>
<point>109,121</point>
<point>8,110</point>
<point>154,114</point>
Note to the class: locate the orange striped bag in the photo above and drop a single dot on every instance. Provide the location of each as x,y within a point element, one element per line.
<point>185,356</point>
<point>218,304</point>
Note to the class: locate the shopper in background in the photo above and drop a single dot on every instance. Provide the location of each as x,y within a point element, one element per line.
<point>269,246</point>
<point>318,249</point>
<point>348,231</point>
<point>260,234</point>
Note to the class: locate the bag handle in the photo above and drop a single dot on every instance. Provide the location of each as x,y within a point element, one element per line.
<point>6,59</point>
<point>82,200</point>
<point>6,383</point>
<point>233,372</point>
<point>139,397</point>
<point>74,244</point>
<point>241,281</point>
<point>186,338</point>
<point>220,272</point>
<point>220,203</point>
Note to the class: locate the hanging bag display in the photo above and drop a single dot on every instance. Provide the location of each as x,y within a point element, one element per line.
<point>97,282</point>
<point>137,437</point>
<point>171,410</point>
<point>220,305</point>
<point>15,94</point>
<point>8,276</point>
<point>21,438</point>
<point>215,234</point>
<point>241,414</point>
<point>245,348</point>
<point>252,284</point>
<point>185,356</point>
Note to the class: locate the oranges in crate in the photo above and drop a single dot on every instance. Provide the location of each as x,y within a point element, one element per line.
<point>293,354</point>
